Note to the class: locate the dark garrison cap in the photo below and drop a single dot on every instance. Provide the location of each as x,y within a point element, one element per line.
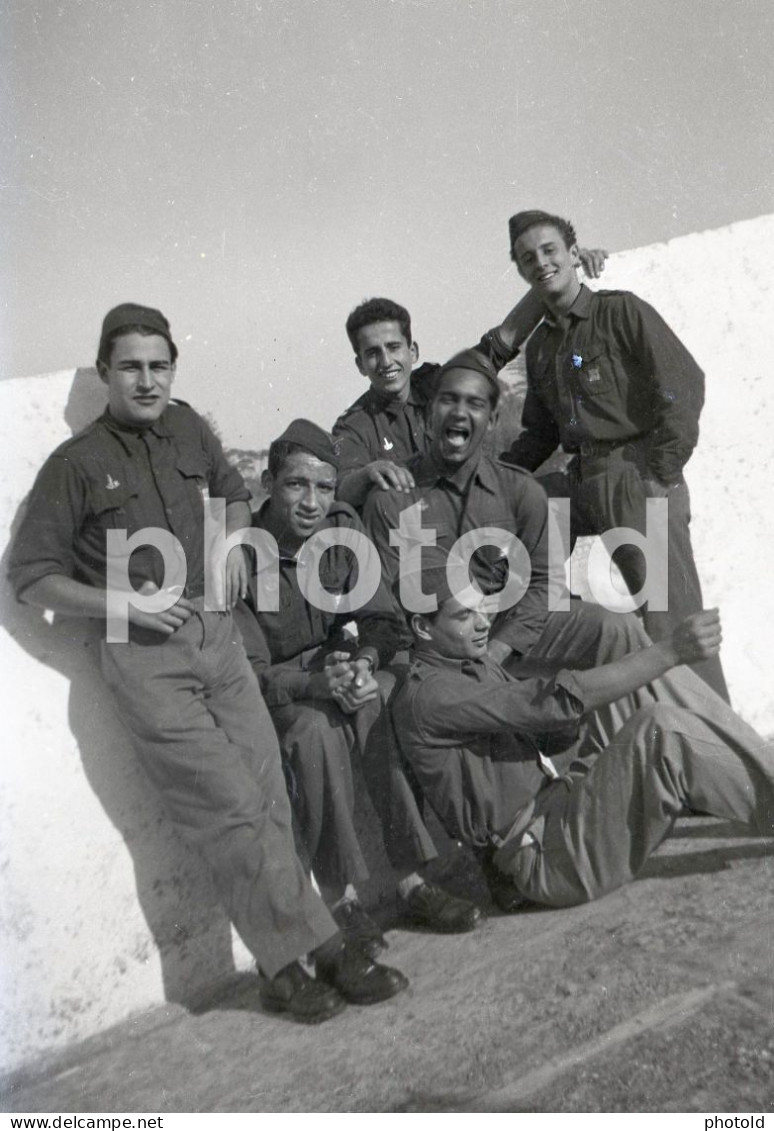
<point>312,439</point>
<point>471,359</point>
<point>132,314</point>
<point>523,221</point>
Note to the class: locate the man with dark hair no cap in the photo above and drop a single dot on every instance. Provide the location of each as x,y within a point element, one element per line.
<point>609,381</point>
<point>385,428</point>
<point>182,683</point>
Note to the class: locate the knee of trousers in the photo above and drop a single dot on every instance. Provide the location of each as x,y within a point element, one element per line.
<point>617,633</point>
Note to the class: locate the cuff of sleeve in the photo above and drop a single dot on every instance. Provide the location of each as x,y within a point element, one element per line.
<point>499,353</point>
<point>369,654</point>
<point>567,680</point>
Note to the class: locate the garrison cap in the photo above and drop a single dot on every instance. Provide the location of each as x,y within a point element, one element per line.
<point>132,314</point>
<point>312,439</point>
<point>470,359</point>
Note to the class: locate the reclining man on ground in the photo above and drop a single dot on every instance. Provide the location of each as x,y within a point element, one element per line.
<point>325,690</point>
<point>651,743</point>
<point>181,682</point>
<point>385,427</point>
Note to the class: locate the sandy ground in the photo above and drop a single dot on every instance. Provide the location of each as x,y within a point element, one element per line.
<point>658,998</point>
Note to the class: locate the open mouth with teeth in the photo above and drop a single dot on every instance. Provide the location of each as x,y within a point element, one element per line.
<point>456,436</point>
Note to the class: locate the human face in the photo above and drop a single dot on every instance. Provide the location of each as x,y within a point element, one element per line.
<point>455,631</point>
<point>139,378</point>
<point>461,416</point>
<point>386,359</point>
<point>301,495</point>
<point>547,264</point>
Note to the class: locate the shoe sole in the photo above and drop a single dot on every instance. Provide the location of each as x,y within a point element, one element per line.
<point>374,998</point>
<point>437,928</point>
<point>278,1007</point>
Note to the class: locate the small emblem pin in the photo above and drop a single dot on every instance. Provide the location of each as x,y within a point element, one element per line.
<point>577,360</point>
<point>112,483</point>
<point>388,444</point>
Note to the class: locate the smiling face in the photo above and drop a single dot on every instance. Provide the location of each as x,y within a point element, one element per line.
<point>139,378</point>
<point>547,264</point>
<point>301,494</point>
<point>455,631</point>
<point>386,358</point>
<point>461,415</point>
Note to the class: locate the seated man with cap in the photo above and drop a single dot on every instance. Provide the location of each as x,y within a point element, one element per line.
<point>652,741</point>
<point>379,434</point>
<point>114,511</point>
<point>325,688</point>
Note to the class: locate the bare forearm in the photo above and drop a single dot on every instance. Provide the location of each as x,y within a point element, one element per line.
<point>238,517</point>
<point>63,595</point>
<point>605,684</point>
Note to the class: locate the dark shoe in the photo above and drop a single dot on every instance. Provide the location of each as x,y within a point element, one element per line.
<point>293,991</point>
<point>359,927</point>
<point>433,908</point>
<point>501,888</point>
<point>357,978</point>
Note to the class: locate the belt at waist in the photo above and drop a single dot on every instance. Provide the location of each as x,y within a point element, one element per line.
<point>601,447</point>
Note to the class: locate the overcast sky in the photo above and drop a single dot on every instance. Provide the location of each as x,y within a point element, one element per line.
<point>258,168</point>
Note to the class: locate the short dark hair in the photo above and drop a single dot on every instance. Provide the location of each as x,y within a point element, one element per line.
<point>377,310</point>
<point>523,221</point>
<point>106,344</point>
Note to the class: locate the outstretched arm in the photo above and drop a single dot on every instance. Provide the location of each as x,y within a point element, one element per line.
<point>696,638</point>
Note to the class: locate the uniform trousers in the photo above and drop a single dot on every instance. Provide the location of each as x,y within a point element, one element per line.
<point>671,745</point>
<point>203,735</point>
<point>318,741</point>
<point>607,490</point>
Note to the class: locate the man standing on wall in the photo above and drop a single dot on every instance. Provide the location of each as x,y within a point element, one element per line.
<point>610,382</point>
<point>181,682</point>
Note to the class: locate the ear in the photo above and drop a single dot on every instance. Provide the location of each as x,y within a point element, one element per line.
<point>359,365</point>
<point>575,255</point>
<point>102,371</point>
<point>493,418</point>
<point>419,627</point>
<point>414,347</point>
<point>267,481</point>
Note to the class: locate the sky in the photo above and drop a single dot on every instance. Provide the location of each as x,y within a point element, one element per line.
<point>256,168</point>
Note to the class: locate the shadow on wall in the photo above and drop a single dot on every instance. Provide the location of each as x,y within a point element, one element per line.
<point>174,890</point>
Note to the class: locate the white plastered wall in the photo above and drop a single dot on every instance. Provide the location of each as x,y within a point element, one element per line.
<point>104,911</point>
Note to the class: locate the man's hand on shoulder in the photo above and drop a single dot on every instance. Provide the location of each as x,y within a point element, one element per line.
<point>389,476</point>
<point>592,261</point>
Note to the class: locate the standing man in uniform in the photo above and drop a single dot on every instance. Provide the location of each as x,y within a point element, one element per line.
<point>656,741</point>
<point>385,428</point>
<point>325,690</point>
<point>610,382</point>
<point>181,682</point>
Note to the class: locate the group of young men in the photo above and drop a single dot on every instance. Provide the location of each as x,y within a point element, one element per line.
<point>394,601</point>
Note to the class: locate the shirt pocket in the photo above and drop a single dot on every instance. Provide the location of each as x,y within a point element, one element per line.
<point>110,504</point>
<point>599,374</point>
<point>192,465</point>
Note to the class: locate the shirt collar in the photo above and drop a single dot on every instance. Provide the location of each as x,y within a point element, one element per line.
<point>465,666</point>
<point>580,309</point>
<point>124,432</point>
<point>428,473</point>
<point>393,407</point>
